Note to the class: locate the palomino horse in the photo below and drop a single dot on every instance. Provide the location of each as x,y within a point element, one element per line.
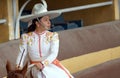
<point>17,73</point>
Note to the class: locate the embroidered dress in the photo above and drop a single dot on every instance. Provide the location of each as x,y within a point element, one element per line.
<point>43,48</point>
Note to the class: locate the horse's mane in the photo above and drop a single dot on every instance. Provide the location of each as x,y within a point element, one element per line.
<point>15,73</point>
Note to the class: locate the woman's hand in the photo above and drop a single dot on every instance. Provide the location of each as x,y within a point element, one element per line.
<point>18,67</point>
<point>39,65</point>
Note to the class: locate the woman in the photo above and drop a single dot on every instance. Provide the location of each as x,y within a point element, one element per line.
<point>42,46</point>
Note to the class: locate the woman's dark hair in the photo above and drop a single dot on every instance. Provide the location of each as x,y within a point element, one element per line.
<point>32,27</point>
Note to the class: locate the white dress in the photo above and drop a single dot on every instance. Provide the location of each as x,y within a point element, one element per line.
<point>43,48</point>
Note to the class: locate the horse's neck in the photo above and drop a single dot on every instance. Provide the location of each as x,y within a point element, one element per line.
<point>14,74</point>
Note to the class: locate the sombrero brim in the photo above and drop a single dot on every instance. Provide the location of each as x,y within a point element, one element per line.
<point>51,14</point>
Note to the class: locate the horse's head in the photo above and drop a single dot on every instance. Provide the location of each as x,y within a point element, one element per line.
<point>15,73</point>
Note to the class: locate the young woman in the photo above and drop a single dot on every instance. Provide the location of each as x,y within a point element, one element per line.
<point>42,46</point>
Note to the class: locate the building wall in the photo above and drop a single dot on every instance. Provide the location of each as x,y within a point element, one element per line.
<point>89,16</point>
<point>4,30</point>
<point>7,29</point>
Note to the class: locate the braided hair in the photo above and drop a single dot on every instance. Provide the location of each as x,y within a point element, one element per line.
<point>32,27</point>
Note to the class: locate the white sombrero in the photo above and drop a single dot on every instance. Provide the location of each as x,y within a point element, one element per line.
<point>40,10</point>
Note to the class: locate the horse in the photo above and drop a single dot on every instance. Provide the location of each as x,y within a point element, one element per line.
<point>17,73</point>
<point>24,73</point>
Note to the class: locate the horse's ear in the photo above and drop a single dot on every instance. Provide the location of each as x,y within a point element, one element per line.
<point>8,66</point>
<point>24,70</point>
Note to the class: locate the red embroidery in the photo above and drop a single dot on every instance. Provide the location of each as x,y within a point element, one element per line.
<point>39,45</point>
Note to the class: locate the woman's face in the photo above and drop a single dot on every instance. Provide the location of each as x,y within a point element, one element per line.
<point>45,22</point>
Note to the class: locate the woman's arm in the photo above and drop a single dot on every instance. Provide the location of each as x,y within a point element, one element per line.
<point>22,51</point>
<point>54,48</point>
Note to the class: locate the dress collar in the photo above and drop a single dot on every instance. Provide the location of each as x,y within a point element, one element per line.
<point>40,33</point>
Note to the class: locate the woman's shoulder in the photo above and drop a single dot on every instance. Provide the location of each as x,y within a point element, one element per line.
<point>30,33</point>
<point>26,35</point>
<point>53,36</point>
<point>49,33</point>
